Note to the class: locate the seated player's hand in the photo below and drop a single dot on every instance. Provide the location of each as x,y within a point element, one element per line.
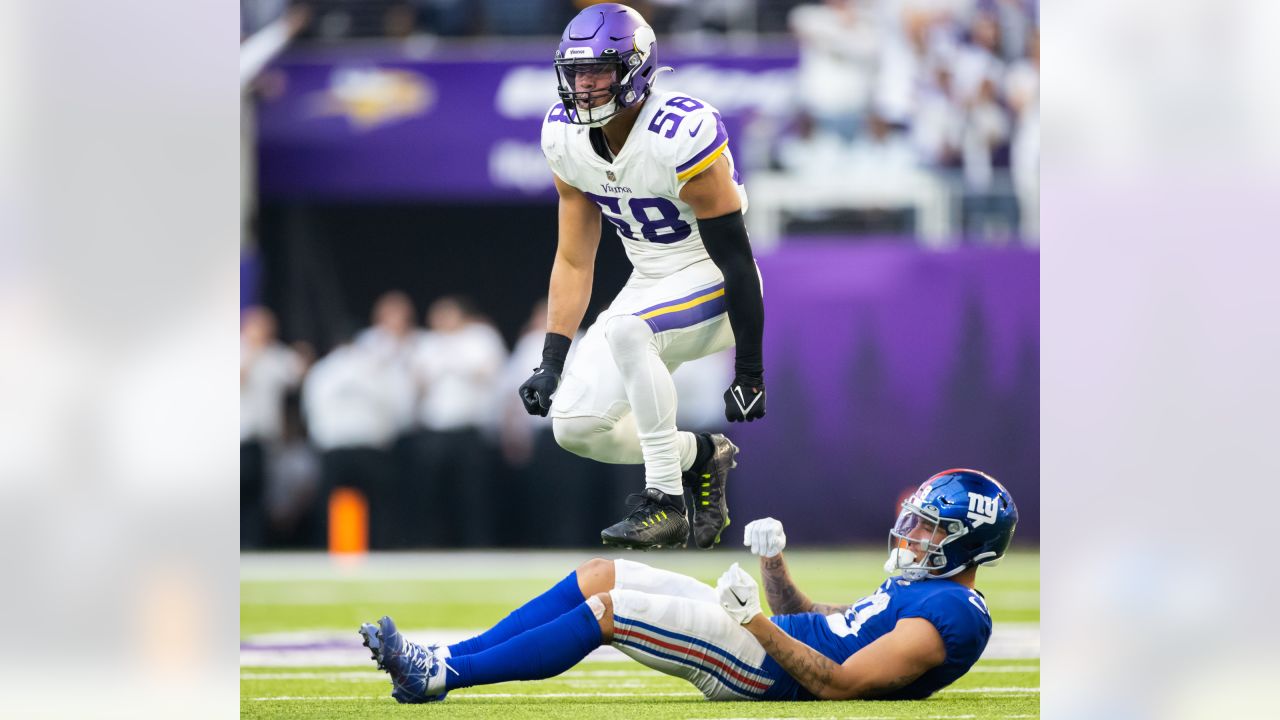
<point>744,400</point>
<point>739,594</point>
<point>764,537</point>
<point>536,392</point>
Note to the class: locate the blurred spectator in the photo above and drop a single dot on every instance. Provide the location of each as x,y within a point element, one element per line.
<point>268,370</point>
<point>293,498</point>
<point>979,72</point>
<point>938,123</point>
<point>838,47</point>
<point>517,428</point>
<point>393,339</point>
<point>456,365</point>
<point>881,151</point>
<point>911,37</point>
<point>1022,88</point>
<point>810,149</point>
<point>350,408</point>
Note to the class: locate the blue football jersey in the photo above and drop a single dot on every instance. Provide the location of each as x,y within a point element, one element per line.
<point>959,614</point>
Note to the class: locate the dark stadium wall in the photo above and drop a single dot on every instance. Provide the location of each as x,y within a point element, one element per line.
<point>324,264</point>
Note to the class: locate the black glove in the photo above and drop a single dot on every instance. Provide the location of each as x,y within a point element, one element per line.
<point>744,400</point>
<point>536,392</point>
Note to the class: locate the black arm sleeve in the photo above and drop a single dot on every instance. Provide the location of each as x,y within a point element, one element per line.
<point>726,240</point>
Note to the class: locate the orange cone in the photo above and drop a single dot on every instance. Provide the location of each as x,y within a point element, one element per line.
<point>348,521</point>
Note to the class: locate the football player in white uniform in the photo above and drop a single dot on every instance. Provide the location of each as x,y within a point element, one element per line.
<point>657,166</point>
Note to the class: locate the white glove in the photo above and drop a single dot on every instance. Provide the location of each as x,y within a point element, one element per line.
<point>739,594</point>
<point>764,537</point>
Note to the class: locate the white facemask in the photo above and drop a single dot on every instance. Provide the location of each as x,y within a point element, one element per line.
<point>608,110</point>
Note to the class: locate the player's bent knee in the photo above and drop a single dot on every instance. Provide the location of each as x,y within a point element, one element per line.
<point>579,435</point>
<point>627,333</point>
<point>595,576</point>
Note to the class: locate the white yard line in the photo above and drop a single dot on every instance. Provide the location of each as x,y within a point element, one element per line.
<point>1027,690</point>
<point>476,696</point>
<point>353,676</point>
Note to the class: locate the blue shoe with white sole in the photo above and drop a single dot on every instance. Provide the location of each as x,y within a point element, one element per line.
<point>417,673</point>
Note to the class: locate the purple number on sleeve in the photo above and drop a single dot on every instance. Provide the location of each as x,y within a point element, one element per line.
<point>558,114</point>
<point>686,104</point>
<point>661,119</point>
<point>653,229</point>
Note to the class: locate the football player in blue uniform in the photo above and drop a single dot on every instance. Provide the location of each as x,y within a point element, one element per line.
<point>657,166</point>
<point>923,628</point>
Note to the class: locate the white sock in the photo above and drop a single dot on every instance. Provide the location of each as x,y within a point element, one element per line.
<point>688,444</point>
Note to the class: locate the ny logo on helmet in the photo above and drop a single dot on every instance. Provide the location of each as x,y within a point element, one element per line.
<point>983,509</point>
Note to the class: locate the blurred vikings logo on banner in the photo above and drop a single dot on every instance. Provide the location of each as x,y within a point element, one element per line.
<point>371,97</point>
<point>375,122</point>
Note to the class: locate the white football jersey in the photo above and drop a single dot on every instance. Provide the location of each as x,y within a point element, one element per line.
<point>675,138</point>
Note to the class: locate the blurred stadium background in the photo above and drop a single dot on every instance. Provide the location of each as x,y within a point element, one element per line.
<point>399,228</point>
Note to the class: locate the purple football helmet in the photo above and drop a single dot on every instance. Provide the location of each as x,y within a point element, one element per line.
<point>606,63</point>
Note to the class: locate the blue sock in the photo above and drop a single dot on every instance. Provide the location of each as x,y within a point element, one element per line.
<point>560,599</point>
<point>543,652</point>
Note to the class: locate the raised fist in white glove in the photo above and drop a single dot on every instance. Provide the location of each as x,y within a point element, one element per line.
<point>739,594</point>
<point>764,537</point>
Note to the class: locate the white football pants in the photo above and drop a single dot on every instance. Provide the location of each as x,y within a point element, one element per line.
<point>675,625</point>
<point>617,402</point>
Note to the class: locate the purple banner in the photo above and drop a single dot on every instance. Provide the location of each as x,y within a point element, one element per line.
<point>886,364</point>
<point>459,124</point>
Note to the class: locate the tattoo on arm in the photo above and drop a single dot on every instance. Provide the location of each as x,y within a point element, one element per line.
<point>783,595</point>
<point>816,672</point>
<point>896,684</point>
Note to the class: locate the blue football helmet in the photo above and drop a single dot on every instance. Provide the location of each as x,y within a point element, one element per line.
<point>956,519</point>
<point>607,62</point>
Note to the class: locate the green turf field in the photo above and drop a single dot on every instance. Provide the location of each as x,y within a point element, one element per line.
<point>300,655</point>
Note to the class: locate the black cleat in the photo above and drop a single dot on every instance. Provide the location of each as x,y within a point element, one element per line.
<point>707,485</point>
<point>657,521</point>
